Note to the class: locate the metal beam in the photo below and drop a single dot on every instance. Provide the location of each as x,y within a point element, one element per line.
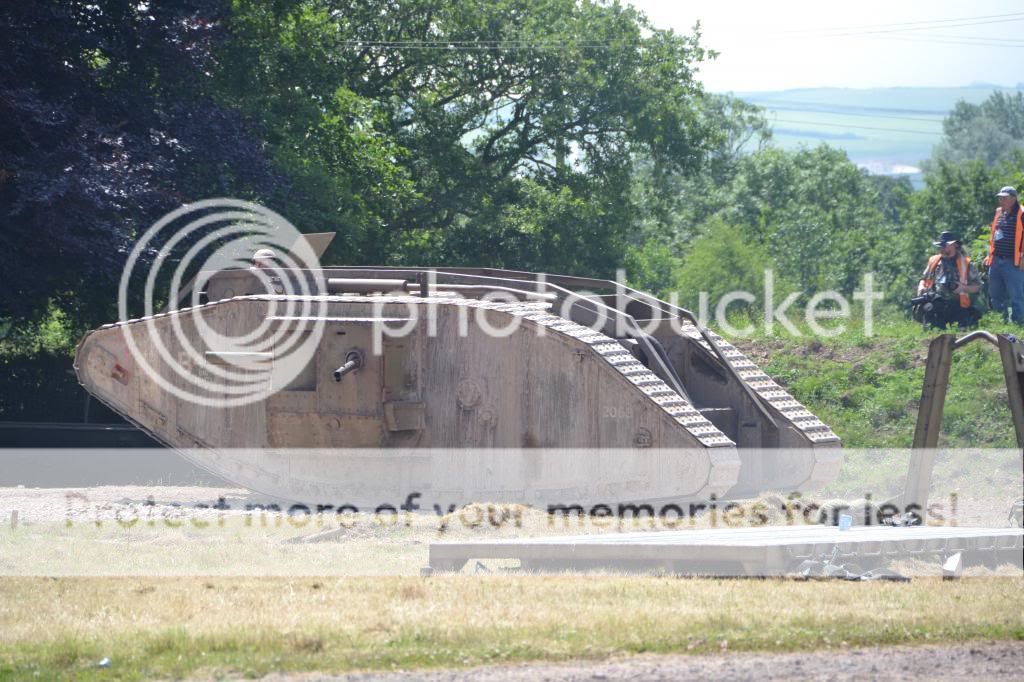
<point>929,422</point>
<point>933,399</point>
<point>1012,354</point>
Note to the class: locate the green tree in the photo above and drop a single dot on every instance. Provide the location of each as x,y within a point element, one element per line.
<point>991,131</point>
<point>817,211</point>
<point>825,222</point>
<point>475,99</point>
<point>106,123</point>
<point>726,259</point>
<point>671,205</point>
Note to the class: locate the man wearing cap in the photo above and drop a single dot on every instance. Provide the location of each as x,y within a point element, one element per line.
<point>951,283</point>
<point>263,259</point>
<point>1005,276</point>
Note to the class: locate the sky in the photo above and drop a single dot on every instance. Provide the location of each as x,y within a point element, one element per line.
<point>790,44</point>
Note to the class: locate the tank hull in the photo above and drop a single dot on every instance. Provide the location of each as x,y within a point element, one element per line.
<point>474,400</point>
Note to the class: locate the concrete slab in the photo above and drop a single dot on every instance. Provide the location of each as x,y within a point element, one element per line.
<point>764,551</point>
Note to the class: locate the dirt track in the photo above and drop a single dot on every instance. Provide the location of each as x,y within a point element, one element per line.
<point>988,661</point>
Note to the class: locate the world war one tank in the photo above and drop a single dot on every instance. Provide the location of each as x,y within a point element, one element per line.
<point>461,384</point>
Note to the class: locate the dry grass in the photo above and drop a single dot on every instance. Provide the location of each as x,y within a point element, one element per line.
<point>172,627</point>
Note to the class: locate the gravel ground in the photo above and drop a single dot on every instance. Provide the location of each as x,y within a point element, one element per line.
<point>989,661</point>
<point>108,503</point>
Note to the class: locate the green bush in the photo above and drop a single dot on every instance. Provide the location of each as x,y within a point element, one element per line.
<point>726,259</point>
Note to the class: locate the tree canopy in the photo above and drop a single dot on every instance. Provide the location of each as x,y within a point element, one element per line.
<point>107,122</point>
<point>493,120</point>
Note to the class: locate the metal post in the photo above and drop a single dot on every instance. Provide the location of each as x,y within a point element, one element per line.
<point>933,393</point>
<point>1012,355</point>
<point>929,422</point>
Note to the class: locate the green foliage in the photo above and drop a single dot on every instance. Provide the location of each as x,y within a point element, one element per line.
<point>868,387</point>
<point>651,267</point>
<point>725,259</point>
<point>824,221</point>
<point>436,145</point>
<point>669,205</point>
<point>35,361</point>
<point>989,132</point>
<point>536,227</point>
<point>55,332</point>
<point>818,212</point>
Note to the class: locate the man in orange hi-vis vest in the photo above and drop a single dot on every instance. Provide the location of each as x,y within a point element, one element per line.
<point>1005,276</point>
<point>949,287</point>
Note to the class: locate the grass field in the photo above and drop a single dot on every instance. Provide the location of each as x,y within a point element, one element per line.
<point>176,627</point>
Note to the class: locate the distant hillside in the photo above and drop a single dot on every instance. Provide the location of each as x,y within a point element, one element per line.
<point>886,130</point>
<point>935,100</point>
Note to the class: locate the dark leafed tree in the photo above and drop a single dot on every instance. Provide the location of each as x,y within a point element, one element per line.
<point>106,122</point>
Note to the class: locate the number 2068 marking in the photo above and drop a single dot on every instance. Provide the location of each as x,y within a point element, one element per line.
<point>616,412</point>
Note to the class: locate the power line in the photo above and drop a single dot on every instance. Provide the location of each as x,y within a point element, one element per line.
<point>929,28</point>
<point>487,45</point>
<point>854,113</point>
<point>971,43</point>
<point>900,110</point>
<point>930,22</point>
<point>840,125</point>
<point>440,42</point>
<point>610,46</point>
<point>1015,41</point>
<point>483,48</point>
<point>911,33</point>
<point>836,32</point>
<point>877,32</point>
<point>491,43</point>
